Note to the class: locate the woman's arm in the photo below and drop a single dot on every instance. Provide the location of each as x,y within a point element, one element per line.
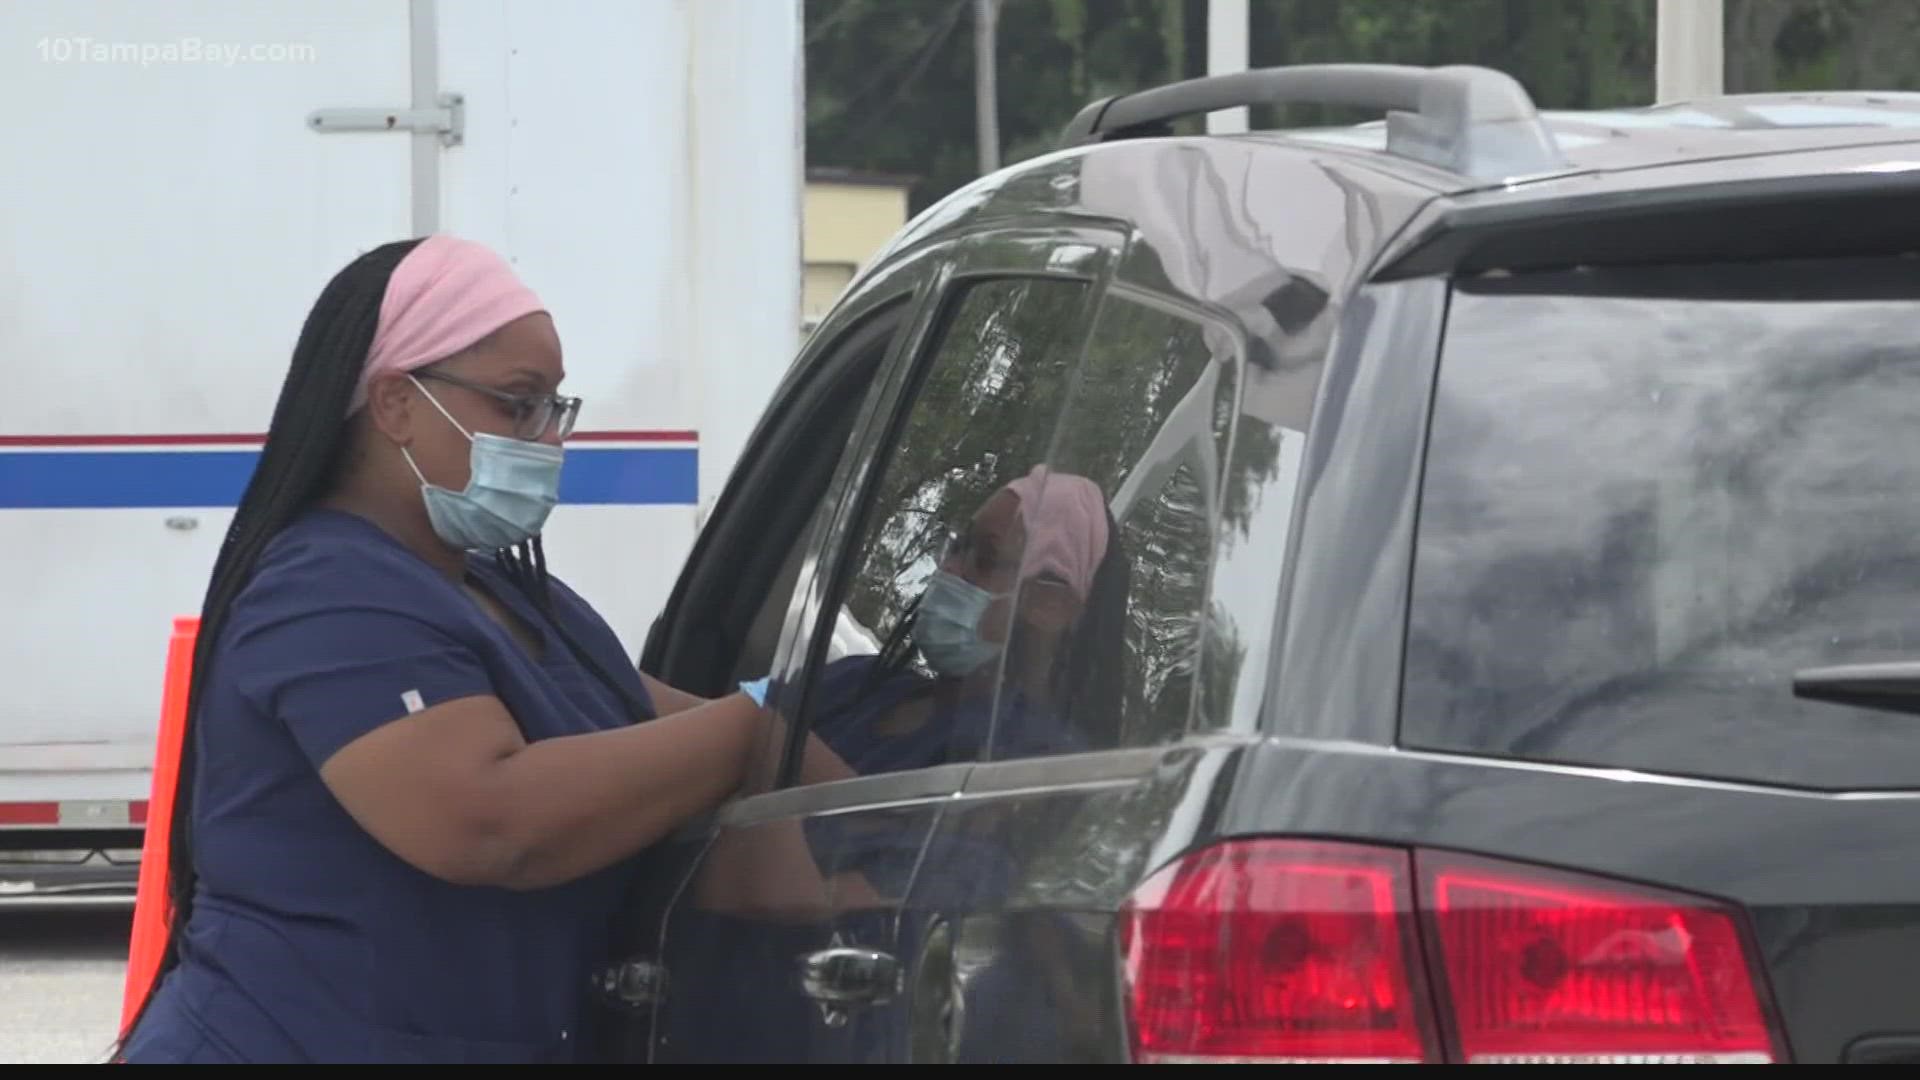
<point>455,791</point>
<point>668,700</point>
<point>818,763</point>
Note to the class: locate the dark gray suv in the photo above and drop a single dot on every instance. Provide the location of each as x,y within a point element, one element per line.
<point>1438,590</point>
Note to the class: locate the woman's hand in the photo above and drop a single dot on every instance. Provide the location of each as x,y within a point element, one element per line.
<point>819,764</point>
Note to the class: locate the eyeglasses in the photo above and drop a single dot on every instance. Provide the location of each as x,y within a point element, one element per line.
<point>533,414</point>
<point>957,545</point>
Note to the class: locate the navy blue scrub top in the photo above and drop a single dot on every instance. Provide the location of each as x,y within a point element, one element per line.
<point>308,940</point>
<point>855,695</point>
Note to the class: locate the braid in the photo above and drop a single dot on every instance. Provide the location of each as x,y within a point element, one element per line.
<point>1091,676</point>
<point>303,447</point>
<point>525,566</point>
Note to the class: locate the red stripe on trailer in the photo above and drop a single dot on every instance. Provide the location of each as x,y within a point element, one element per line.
<point>49,442</point>
<point>29,813</point>
<point>196,439</point>
<point>76,814</point>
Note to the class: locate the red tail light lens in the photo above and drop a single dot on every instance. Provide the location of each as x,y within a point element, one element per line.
<point>1546,968</point>
<point>1276,951</point>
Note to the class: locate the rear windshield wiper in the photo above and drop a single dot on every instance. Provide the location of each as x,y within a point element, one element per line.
<point>1891,687</point>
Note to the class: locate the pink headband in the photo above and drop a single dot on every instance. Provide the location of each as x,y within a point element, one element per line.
<point>447,294</point>
<point>1066,521</point>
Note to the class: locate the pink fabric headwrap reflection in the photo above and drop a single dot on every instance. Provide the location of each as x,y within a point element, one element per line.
<point>445,295</point>
<point>1066,522</point>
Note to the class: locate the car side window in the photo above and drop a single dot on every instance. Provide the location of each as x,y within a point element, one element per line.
<point>1654,496</point>
<point>788,525</point>
<point>826,441</point>
<point>1121,536</point>
<point>925,617</point>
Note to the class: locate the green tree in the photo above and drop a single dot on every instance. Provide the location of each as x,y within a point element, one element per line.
<point>984,416</point>
<point>1569,54</point>
<point>1822,44</point>
<point>890,82</point>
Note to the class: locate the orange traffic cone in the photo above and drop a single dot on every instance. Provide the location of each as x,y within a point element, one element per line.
<point>151,907</point>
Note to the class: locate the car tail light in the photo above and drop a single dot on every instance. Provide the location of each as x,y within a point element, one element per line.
<point>1545,968</point>
<point>1279,950</point>
<point>1276,951</point>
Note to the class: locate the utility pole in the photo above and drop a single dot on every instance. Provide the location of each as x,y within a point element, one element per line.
<point>1227,53</point>
<point>1689,59</point>
<point>986,89</point>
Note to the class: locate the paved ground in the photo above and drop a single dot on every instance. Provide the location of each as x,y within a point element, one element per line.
<point>61,977</point>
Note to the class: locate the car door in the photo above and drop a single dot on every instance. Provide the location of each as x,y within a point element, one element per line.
<point>1101,759</point>
<point>723,621</point>
<point>793,938</point>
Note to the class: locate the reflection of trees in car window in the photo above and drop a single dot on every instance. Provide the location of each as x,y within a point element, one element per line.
<point>1169,541</point>
<point>982,416</point>
<point>1141,363</point>
<point>980,420</point>
<point>1145,424</point>
<point>1644,511</point>
<point>1255,461</point>
<point>1252,465</point>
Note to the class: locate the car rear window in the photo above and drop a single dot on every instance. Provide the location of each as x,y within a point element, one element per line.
<point>1650,497</point>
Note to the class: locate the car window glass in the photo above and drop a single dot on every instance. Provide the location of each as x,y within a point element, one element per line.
<point>917,638</point>
<point>1651,497</point>
<point>849,379</point>
<point>1120,540</point>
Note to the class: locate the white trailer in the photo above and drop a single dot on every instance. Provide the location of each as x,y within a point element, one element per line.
<point>182,178</point>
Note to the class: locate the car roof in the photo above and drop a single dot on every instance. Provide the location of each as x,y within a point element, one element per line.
<point>1676,143</point>
<point>1833,174</point>
<point>1483,180</point>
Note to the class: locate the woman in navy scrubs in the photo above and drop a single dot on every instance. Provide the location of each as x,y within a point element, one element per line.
<point>415,783</point>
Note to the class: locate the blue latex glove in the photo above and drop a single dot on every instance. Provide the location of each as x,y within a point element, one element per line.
<point>757,690</point>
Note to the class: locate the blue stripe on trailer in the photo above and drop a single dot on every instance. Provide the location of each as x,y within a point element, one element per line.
<point>113,479</point>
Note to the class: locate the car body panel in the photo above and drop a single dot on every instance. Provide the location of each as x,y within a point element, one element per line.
<point>1324,271</point>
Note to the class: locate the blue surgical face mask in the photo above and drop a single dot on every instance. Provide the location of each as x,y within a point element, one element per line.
<point>947,626</point>
<point>512,486</point>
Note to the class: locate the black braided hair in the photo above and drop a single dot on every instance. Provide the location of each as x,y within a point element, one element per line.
<point>1089,678</point>
<point>525,565</point>
<point>299,464</point>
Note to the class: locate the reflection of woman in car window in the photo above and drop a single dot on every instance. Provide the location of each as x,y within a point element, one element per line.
<point>1032,590</point>
<point>1034,584</point>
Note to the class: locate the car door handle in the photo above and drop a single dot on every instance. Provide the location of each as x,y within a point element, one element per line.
<point>1891,687</point>
<point>634,984</point>
<point>845,976</point>
<point>1884,1050</point>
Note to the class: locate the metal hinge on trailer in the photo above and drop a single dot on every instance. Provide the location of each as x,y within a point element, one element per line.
<point>449,121</point>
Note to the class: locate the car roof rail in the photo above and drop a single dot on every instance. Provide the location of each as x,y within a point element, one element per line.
<point>1473,121</point>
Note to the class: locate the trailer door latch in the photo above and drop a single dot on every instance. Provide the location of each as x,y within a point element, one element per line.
<point>449,121</point>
